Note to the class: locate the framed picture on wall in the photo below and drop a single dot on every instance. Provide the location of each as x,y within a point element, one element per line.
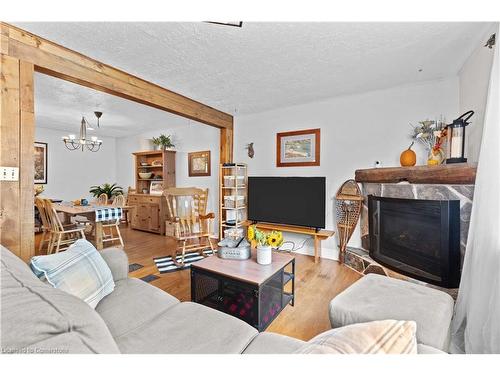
<point>298,148</point>
<point>40,159</point>
<point>199,163</point>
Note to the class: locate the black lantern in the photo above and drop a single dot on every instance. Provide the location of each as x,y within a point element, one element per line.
<point>456,139</point>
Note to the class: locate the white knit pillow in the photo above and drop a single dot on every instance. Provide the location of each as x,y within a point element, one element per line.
<point>378,337</point>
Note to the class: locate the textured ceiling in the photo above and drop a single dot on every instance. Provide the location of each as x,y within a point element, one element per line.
<point>60,105</point>
<point>263,66</point>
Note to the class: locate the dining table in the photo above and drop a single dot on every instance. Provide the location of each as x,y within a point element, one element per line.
<point>89,211</point>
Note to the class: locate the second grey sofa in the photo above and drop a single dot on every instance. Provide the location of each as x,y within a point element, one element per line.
<point>377,297</point>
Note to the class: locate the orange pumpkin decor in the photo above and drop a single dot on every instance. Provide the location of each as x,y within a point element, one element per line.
<point>408,157</point>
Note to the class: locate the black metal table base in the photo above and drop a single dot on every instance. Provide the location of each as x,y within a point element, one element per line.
<point>258,305</point>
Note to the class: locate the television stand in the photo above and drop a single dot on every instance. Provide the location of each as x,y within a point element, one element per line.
<point>318,235</point>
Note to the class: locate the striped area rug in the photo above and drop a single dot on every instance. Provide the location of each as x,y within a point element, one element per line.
<point>166,264</point>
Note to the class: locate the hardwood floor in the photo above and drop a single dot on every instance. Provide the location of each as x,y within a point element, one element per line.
<point>316,284</point>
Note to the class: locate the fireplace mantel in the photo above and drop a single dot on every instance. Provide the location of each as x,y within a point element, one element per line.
<point>458,174</point>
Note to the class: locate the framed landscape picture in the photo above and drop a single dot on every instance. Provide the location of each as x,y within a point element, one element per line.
<point>298,148</point>
<point>199,163</point>
<point>40,159</point>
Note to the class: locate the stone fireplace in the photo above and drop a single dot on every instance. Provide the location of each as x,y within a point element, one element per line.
<point>454,182</point>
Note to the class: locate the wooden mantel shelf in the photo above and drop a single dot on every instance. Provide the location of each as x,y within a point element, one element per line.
<point>462,173</point>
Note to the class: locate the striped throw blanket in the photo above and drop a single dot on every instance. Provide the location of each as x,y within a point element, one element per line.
<point>108,213</point>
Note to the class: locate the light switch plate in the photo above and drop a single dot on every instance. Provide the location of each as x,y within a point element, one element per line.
<point>9,174</point>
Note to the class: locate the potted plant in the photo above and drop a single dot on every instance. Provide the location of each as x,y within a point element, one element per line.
<point>265,242</point>
<point>163,142</point>
<point>110,190</point>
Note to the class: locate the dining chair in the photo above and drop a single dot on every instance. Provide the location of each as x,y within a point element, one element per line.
<point>102,199</point>
<point>118,201</point>
<point>192,226</point>
<point>121,201</point>
<point>45,227</point>
<point>61,235</point>
<point>126,212</point>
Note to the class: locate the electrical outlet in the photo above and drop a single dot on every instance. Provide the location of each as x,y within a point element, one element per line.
<point>9,174</point>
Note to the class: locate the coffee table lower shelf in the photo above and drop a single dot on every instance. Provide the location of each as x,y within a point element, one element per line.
<point>256,304</point>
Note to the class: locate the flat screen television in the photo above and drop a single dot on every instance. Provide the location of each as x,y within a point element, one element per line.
<point>287,200</point>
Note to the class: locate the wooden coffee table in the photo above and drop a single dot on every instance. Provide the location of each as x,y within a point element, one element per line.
<point>243,288</point>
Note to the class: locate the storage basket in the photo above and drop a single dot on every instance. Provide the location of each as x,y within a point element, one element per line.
<point>234,201</point>
<point>234,181</point>
<point>234,232</point>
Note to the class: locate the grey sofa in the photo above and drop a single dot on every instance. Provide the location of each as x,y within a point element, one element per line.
<point>135,318</point>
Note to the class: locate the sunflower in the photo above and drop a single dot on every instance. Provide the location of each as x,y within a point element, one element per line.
<point>251,233</point>
<point>275,239</point>
<point>280,237</point>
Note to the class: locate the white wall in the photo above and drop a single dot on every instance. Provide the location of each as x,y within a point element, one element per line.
<point>356,130</point>
<point>71,173</point>
<point>187,137</point>
<point>474,78</point>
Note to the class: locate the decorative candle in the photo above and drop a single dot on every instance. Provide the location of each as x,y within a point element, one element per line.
<point>456,143</point>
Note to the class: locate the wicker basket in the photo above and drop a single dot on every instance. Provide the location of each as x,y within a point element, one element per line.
<point>233,181</point>
<point>234,201</point>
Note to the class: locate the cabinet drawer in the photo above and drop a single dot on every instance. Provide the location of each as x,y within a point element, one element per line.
<point>144,199</point>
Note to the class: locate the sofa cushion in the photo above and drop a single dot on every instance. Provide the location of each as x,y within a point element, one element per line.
<point>117,261</point>
<point>376,297</point>
<point>379,337</point>
<point>426,349</point>
<point>188,328</point>
<point>272,343</point>
<point>19,268</point>
<point>132,304</point>
<point>80,271</point>
<point>34,315</point>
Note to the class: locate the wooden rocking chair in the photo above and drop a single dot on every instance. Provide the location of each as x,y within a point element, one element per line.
<point>192,225</point>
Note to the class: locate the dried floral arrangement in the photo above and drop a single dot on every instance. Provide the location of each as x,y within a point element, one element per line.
<point>432,134</point>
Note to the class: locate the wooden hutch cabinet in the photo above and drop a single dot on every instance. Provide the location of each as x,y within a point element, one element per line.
<point>150,210</point>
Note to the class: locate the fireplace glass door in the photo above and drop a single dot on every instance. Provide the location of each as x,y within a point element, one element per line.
<point>419,238</point>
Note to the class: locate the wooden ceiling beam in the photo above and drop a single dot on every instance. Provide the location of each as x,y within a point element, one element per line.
<point>61,62</point>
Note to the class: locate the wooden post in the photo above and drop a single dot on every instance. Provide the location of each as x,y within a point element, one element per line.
<point>226,145</point>
<point>17,138</point>
<point>27,171</point>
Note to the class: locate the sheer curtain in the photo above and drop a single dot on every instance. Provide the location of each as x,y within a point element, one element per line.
<point>476,323</point>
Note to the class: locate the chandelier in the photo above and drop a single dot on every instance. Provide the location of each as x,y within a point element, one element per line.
<point>93,144</point>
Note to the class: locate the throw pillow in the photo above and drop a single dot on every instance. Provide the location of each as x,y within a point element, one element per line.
<point>379,337</point>
<point>80,271</point>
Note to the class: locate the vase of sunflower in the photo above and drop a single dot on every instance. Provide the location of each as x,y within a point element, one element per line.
<point>265,242</point>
